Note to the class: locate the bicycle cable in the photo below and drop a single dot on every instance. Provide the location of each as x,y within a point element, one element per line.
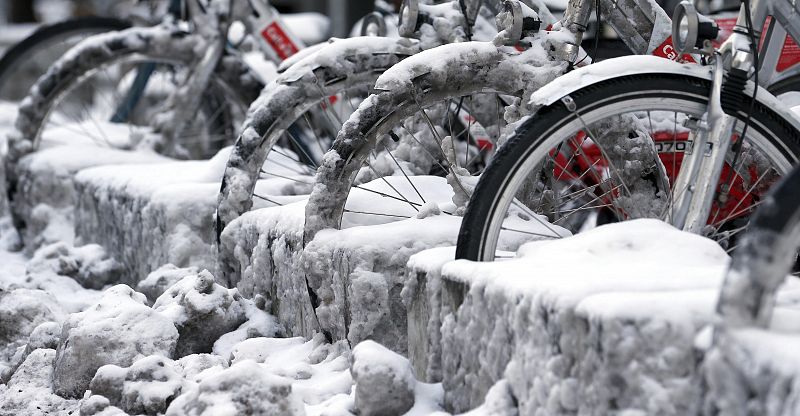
<point>596,37</point>
<point>738,146</point>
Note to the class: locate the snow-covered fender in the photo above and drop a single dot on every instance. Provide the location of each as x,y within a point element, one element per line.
<point>640,65</point>
<point>447,71</point>
<point>331,53</point>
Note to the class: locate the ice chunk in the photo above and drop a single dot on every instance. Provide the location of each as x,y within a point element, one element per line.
<point>118,329</point>
<point>201,310</point>
<point>384,380</point>
<point>147,386</point>
<point>244,388</point>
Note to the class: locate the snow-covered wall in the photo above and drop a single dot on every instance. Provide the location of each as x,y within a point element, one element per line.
<point>46,188</point>
<point>150,216</point>
<point>595,324</point>
<point>357,274</point>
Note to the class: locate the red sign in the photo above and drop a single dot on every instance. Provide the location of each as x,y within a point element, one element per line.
<point>666,50</point>
<point>790,55</point>
<point>277,39</point>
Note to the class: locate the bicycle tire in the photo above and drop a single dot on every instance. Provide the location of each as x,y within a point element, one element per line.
<point>45,35</point>
<point>786,85</point>
<point>479,222</point>
<point>157,43</point>
<point>481,70</point>
<point>334,68</point>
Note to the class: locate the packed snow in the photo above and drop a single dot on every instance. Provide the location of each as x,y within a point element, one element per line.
<point>117,298</point>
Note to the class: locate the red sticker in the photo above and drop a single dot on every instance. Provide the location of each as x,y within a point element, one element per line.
<point>277,39</point>
<point>790,55</point>
<point>666,50</point>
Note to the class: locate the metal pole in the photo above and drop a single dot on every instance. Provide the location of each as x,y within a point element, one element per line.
<point>345,13</point>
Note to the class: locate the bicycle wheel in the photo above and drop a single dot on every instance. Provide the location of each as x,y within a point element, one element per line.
<point>787,90</point>
<point>301,111</point>
<point>26,61</point>
<point>76,101</point>
<point>437,114</point>
<point>564,169</point>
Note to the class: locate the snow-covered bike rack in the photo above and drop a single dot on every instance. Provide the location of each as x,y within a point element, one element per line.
<point>594,326</point>
<point>610,323</point>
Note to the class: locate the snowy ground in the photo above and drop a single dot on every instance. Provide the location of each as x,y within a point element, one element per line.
<point>175,343</point>
<point>609,321</point>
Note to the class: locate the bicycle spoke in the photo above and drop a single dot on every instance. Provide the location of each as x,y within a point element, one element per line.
<point>379,214</point>
<point>286,177</point>
<point>267,199</point>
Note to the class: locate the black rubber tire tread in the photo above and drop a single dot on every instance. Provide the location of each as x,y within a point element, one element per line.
<point>791,84</point>
<point>533,132</point>
<point>88,24</point>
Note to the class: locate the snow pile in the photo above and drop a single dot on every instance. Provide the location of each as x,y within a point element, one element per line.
<point>384,381</point>
<point>149,217</point>
<point>89,265</point>
<point>422,295</point>
<point>753,369</point>
<point>261,254</point>
<point>45,335</point>
<point>357,273</point>
<point>117,330</point>
<point>21,312</point>
<point>319,371</point>
<point>30,389</point>
<point>201,310</point>
<point>611,332</point>
<point>241,389</point>
<point>361,299</point>
<point>161,279</point>
<point>146,387</point>
<point>158,215</point>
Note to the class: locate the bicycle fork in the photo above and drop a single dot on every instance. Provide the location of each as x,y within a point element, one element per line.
<point>696,185</point>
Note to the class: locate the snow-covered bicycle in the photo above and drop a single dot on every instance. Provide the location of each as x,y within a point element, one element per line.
<point>447,77</point>
<point>585,156</point>
<point>341,75</point>
<point>180,88</point>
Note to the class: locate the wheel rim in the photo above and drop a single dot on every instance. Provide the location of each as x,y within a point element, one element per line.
<point>668,146</point>
<point>83,111</point>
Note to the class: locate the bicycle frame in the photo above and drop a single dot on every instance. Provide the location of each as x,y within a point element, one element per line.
<point>646,29</point>
<point>697,184</point>
<point>261,21</point>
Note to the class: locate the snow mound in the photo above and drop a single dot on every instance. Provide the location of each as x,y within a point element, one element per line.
<point>600,322</point>
<point>32,387</point>
<point>160,279</point>
<point>47,177</point>
<point>384,380</point>
<point>21,312</point>
<point>119,329</point>
<point>45,336</point>
<point>146,387</point>
<point>753,369</point>
<point>201,310</point>
<point>88,265</point>
<point>242,388</point>
<point>318,370</point>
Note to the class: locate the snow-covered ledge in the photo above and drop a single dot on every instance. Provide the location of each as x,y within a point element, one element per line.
<point>147,216</point>
<point>46,194</point>
<point>357,273</point>
<point>602,322</point>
